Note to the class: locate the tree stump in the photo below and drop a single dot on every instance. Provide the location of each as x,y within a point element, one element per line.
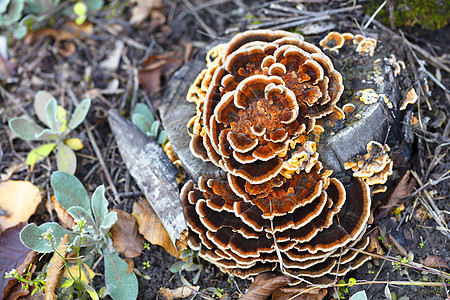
<point>360,71</point>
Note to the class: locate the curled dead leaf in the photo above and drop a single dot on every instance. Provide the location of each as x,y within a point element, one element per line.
<point>19,199</point>
<point>65,219</point>
<point>403,189</point>
<point>151,227</point>
<point>69,31</point>
<point>178,293</point>
<point>264,285</point>
<point>56,270</point>
<point>125,235</point>
<point>434,261</point>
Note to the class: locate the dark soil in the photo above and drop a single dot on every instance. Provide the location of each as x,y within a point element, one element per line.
<point>39,65</point>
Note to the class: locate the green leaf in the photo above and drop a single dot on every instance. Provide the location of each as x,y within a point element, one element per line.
<point>31,236</point>
<point>40,153</point>
<point>69,191</point>
<point>162,137</point>
<point>20,32</point>
<point>46,135</point>
<point>67,284</point>
<point>41,100</point>
<point>94,4</point>
<point>177,266</point>
<point>121,285</point>
<point>141,122</point>
<point>99,205</point>
<point>62,117</point>
<point>78,212</point>
<point>51,113</point>
<point>91,291</point>
<point>80,8</point>
<point>361,295</point>
<point>154,128</point>
<point>66,160</point>
<point>13,13</point>
<point>144,110</point>
<point>3,5</point>
<point>79,114</point>
<point>25,128</point>
<point>108,221</point>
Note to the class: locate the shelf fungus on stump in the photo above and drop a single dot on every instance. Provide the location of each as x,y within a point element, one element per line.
<point>262,104</point>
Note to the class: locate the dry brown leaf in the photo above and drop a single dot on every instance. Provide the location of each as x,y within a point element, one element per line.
<point>65,220</point>
<point>403,189</point>
<point>69,31</point>
<point>125,235</point>
<point>19,199</point>
<point>434,261</point>
<point>157,67</point>
<point>56,269</point>
<point>178,293</point>
<point>264,285</point>
<point>144,8</point>
<point>299,293</point>
<point>151,227</point>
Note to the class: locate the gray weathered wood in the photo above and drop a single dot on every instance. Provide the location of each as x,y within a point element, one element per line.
<point>153,172</point>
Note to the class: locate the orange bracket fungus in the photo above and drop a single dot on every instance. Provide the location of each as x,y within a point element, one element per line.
<point>262,104</point>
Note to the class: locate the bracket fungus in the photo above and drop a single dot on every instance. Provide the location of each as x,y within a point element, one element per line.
<point>262,104</point>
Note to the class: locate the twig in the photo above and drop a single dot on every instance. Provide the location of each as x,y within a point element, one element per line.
<point>374,15</point>
<point>208,29</point>
<point>430,58</point>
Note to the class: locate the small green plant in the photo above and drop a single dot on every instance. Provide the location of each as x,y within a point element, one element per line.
<point>56,136</point>
<point>189,265</point>
<point>91,233</point>
<point>343,290</point>
<point>144,119</point>
<point>19,16</point>
<point>27,281</point>
<point>146,246</point>
<point>146,264</point>
<point>402,269</point>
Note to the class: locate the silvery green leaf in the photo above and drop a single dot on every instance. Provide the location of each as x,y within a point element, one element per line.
<point>46,135</point>
<point>79,114</point>
<point>141,122</point>
<point>121,284</point>
<point>40,153</point>
<point>94,4</point>
<point>51,113</point>
<point>144,110</point>
<point>69,191</point>
<point>162,137</point>
<point>31,236</point>
<point>66,160</point>
<point>3,5</point>
<point>41,100</point>
<point>86,241</point>
<point>361,295</point>
<point>13,13</point>
<point>108,221</point>
<point>91,291</point>
<point>25,128</point>
<point>99,205</point>
<point>78,212</point>
<point>155,127</point>
<point>20,31</point>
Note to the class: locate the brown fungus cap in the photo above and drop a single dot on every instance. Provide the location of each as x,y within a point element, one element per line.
<point>333,41</point>
<point>261,105</point>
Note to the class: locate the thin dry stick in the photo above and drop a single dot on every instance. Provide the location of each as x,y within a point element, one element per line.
<point>374,15</point>
<point>208,29</point>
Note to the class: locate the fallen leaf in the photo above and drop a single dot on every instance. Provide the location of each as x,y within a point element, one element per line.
<point>19,199</point>
<point>143,9</point>
<point>403,189</point>
<point>112,61</point>
<point>158,67</point>
<point>299,293</point>
<point>13,288</point>
<point>56,269</point>
<point>13,255</point>
<point>12,169</point>
<point>65,219</point>
<point>67,49</point>
<point>264,285</point>
<point>151,227</point>
<point>69,31</point>
<point>178,293</point>
<point>86,272</point>
<point>434,261</point>
<point>125,235</point>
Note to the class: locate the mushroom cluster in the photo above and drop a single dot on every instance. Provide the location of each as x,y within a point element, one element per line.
<point>263,102</point>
